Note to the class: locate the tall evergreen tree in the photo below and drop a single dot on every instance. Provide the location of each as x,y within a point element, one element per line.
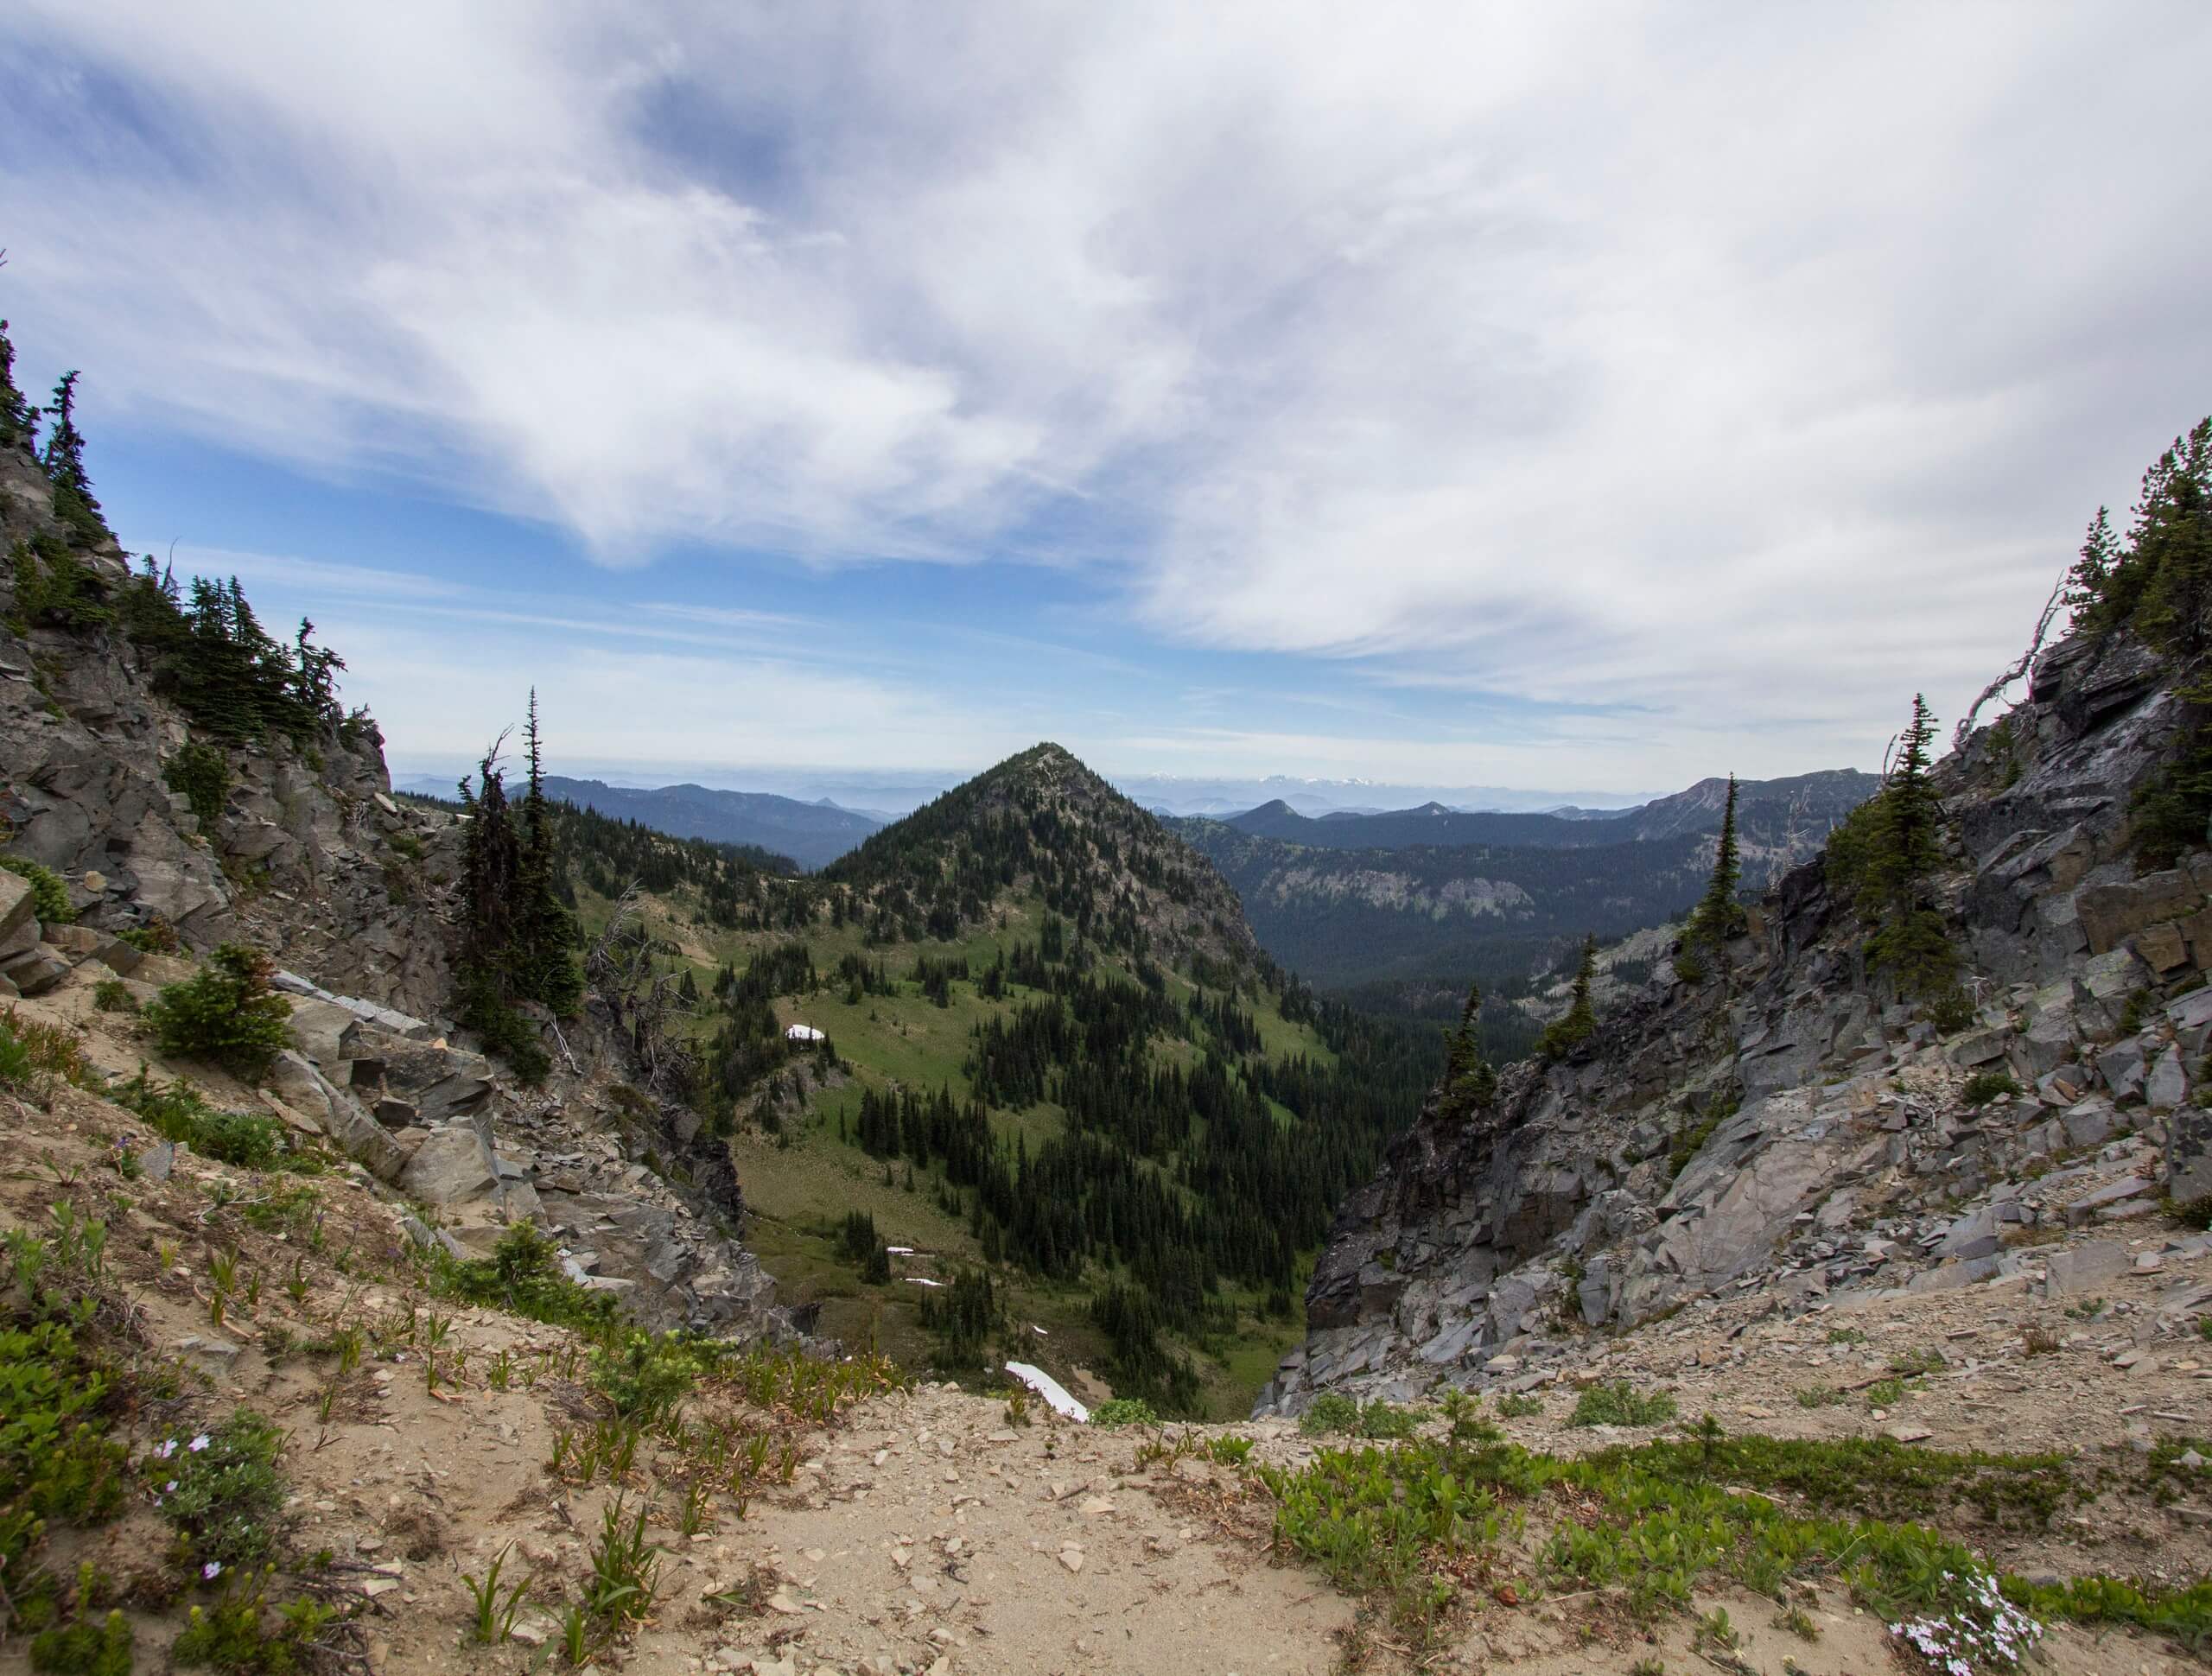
<point>1581,1022</point>
<point>1718,917</point>
<point>546,931</point>
<point>1470,1083</point>
<point>1885,860</point>
<point>491,865</point>
<point>518,938</point>
<point>18,419</point>
<point>64,460</point>
<point>2171,544</point>
<point>2092,572</point>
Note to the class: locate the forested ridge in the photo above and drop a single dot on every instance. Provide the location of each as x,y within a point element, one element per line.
<point>1138,1101</point>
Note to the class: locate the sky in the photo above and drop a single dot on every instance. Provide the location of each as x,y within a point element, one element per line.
<point>1574,396</point>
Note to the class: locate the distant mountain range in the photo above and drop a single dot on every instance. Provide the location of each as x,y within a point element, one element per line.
<point>812,835</point>
<point>1769,813</point>
<point>1424,900</point>
<point>1221,798</point>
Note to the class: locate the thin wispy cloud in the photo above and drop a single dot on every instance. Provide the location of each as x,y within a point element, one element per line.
<point>1735,370</point>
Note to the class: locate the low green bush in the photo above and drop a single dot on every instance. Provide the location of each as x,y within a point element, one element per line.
<point>203,773</point>
<point>226,1013</point>
<point>221,1491</point>
<point>49,892</point>
<point>646,1377</point>
<point>156,936</point>
<point>1984,1086</point>
<point>521,1276</point>
<point>242,1635</point>
<point>179,1112</point>
<point>1334,1413</point>
<point>1123,1411</point>
<point>84,1648</point>
<point>1615,1402</point>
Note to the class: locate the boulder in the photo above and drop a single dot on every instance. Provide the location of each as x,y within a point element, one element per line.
<point>1979,1047</point>
<point>2192,1011</point>
<point>15,908</point>
<point>2167,1085</point>
<point>299,1084</point>
<point>318,1027</point>
<point>210,1356</point>
<point>24,938</point>
<point>2162,947</point>
<point>2089,1124</point>
<point>2101,1201</point>
<point>2189,1155</point>
<point>452,1166</point>
<point>35,971</point>
<point>2123,1068</point>
<point>72,939</point>
<point>2078,1268</point>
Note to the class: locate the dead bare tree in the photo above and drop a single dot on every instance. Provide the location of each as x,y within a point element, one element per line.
<point>2020,665</point>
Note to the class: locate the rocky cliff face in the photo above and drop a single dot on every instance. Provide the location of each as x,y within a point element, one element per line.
<point>309,857</point>
<point>1790,1130</point>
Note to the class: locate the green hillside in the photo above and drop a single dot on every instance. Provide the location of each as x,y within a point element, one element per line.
<point>1055,1059</point>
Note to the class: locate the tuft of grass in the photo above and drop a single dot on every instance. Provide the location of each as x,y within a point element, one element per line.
<point>625,1568</point>
<point>37,1058</point>
<point>1520,1405</point>
<point>1798,1622</point>
<point>1615,1402</point>
<point>1817,1396</point>
<point>1715,1631</point>
<point>495,1613</point>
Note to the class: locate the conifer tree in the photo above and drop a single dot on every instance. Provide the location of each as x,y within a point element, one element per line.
<point>519,939</point>
<point>2171,544</point>
<point>64,461</point>
<point>546,931</point>
<point>1580,1021</point>
<point>1470,1083</point>
<point>1886,859</point>
<point>18,419</point>
<point>491,865</point>
<point>1718,917</point>
<point>2092,572</point>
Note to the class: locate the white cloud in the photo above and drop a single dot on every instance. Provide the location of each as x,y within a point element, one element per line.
<point>1737,362</point>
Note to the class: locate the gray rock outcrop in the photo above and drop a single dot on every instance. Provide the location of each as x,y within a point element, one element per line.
<point>1787,1129</point>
